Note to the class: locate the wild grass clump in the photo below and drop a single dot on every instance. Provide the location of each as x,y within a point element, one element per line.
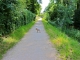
<point>68,48</point>
<point>9,41</point>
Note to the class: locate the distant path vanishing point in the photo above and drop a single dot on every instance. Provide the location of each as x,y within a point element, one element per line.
<point>33,46</point>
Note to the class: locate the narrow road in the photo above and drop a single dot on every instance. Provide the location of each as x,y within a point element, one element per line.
<point>33,46</point>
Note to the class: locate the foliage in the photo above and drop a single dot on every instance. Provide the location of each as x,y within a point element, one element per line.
<point>64,14</point>
<point>61,12</point>
<point>15,13</point>
<point>68,48</point>
<point>16,18</point>
<point>74,33</point>
<point>77,16</point>
<point>33,6</point>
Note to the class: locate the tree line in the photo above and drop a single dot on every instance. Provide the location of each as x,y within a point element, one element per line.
<point>16,13</point>
<point>64,14</point>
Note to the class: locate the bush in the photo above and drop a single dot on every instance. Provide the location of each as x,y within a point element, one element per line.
<point>13,14</point>
<point>74,33</point>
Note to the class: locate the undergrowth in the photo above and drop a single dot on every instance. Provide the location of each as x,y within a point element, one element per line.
<point>71,32</point>
<point>9,41</point>
<point>68,48</point>
<point>74,33</point>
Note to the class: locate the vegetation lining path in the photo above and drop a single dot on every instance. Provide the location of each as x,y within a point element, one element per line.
<point>34,46</point>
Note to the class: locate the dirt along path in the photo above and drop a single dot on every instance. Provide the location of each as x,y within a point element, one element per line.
<point>33,46</point>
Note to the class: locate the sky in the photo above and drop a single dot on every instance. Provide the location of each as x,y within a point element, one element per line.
<point>44,4</point>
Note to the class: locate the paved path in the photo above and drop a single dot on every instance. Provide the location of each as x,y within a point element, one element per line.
<point>33,46</point>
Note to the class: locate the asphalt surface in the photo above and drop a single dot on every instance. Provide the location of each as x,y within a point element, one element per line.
<point>33,46</point>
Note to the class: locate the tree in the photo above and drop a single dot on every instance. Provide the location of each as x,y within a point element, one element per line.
<point>61,12</point>
<point>33,6</point>
<point>77,15</point>
<point>13,14</point>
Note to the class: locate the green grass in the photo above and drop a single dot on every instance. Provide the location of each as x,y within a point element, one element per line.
<point>68,48</point>
<point>13,38</point>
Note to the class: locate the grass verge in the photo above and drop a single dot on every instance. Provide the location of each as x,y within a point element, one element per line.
<point>13,38</point>
<point>68,48</point>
